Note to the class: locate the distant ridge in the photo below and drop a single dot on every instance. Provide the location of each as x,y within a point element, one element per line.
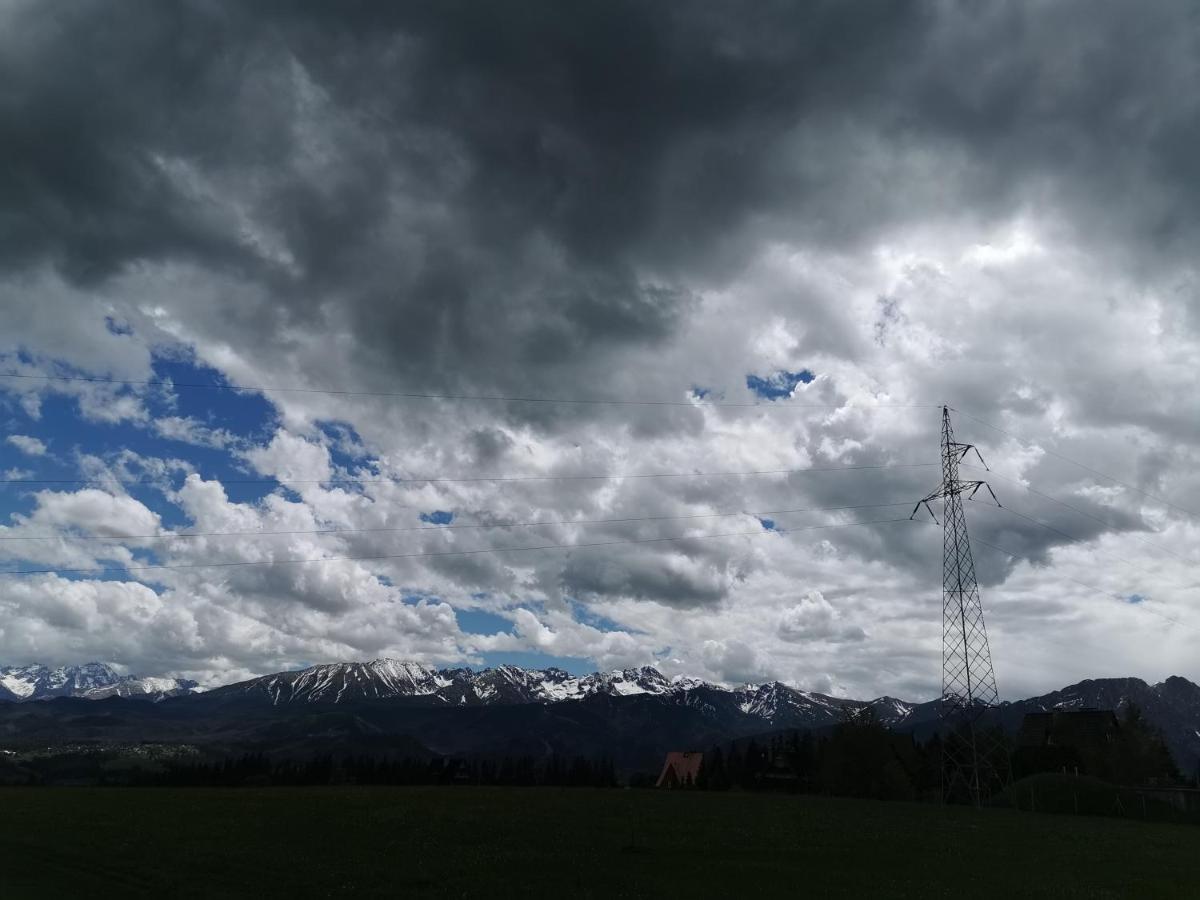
<point>1173,705</point>
<point>390,684</point>
<point>391,678</point>
<point>398,680</point>
<point>94,680</point>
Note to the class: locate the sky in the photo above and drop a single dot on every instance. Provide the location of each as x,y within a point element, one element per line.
<point>426,290</point>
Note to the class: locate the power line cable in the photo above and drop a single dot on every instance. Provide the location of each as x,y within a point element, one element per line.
<point>610,476</point>
<point>1071,538</point>
<point>1083,466</point>
<point>1075,509</point>
<point>436,553</point>
<point>450,527</point>
<point>1123,600</point>
<point>407,395</point>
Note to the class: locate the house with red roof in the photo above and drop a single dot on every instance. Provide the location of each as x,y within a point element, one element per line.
<point>681,769</point>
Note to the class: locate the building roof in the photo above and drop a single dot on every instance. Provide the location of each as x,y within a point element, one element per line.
<point>679,766</point>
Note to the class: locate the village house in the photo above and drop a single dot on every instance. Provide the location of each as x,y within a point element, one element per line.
<point>681,769</point>
<point>1074,740</point>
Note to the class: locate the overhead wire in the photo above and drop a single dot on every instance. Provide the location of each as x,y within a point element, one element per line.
<point>608,476</point>
<point>409,395</point>
<point>1081,465</point>
<point>1123,600</point>
<point>448,527</point>
<point>436,553</point>
<point>1075,509</point>
<point>690,403</point>
<point>1090,587</point>
<point>1065,535</point>
<point>977,540</point>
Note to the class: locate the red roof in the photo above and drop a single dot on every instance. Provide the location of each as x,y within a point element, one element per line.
<point>679,767</point>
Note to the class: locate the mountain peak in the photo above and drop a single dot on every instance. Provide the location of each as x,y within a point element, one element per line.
<point>771,704</point>
<point>94,680</point>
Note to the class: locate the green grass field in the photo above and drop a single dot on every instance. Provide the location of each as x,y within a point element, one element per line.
<point>542,842</point>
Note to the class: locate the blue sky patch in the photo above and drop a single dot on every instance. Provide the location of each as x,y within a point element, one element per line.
<point>246,414</point>
<point>198,427</point>
<point>191,419</point>
<point>117,328</point>
<point>601,623</point>
<point>779,385</point>
<point>477,621</point>
<point>767,524</point>
<point>346,449</point>
<point>1135,598</point>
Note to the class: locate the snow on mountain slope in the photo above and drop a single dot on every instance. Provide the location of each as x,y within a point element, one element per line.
<point>775,704</point>
<point>334,682</point>
<point>626,682</point>
<point>1173,705</point>
<point>93,680</point>
<point>389,678</point>
<point>149,687</point>
<point>20,688</point>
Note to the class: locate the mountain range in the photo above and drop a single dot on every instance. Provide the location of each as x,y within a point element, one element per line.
<point>388,679</point>
<point>94,681</point>
<point>631,714</point>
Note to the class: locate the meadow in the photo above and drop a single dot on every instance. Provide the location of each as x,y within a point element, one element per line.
<point>563,842</point>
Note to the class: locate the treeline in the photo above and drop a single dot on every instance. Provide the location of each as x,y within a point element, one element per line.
<point>858,758</point>
<point>257,769</point>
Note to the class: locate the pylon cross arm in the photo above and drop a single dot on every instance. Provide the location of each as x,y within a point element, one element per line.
<point>936,495</point>
<point>959,452</point>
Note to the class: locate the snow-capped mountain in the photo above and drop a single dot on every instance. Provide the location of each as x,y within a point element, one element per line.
<point>390,678</point>
<point>1173,705</point>
<point>149,687</point>
<point>780,704</point>
<point>93,680</point>
<point>630,713</point>
<point>773,704</point>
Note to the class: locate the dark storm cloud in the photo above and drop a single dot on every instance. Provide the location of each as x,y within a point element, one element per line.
<point>91,96</point>
<point>529,198</point>
<point>485,189</point>
<point>1089,100</point>
<point>648,575</point>
<point>494,190</point>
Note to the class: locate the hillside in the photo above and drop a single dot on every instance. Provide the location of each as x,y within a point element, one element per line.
<point>631,715</point>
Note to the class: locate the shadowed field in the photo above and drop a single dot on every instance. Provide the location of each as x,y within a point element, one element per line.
<point>475,842</point>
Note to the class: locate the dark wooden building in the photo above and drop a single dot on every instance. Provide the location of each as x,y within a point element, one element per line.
<point>1066,739</point>
<point>1078,728</point>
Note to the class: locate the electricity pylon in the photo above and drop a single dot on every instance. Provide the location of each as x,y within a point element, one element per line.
<point>974,762</point>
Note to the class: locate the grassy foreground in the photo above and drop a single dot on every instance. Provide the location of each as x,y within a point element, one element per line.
<point>477,842</point>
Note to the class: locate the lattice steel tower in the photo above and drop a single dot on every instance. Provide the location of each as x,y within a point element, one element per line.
<point>974,761</point>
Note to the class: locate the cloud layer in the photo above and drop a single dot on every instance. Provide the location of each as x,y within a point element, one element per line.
<point>846,214</point>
